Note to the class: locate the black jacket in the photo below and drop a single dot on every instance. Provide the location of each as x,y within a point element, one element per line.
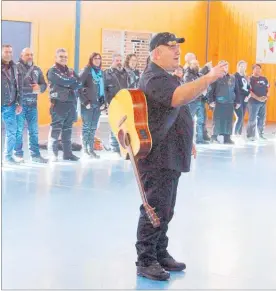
<point>64,83</point>
<point>224,90</point>
<point>133,78</point>
<point>90,90</point>
<point>114,81</point>
<point>191,76</point>
<point>244,86</point>
<point>11,84</point>
<point>31,75</point>
<point>204,71</point>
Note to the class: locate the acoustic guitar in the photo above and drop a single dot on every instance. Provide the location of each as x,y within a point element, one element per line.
<point>128,119</point>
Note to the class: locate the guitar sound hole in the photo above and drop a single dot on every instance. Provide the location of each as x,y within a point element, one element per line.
<point>127,139</point>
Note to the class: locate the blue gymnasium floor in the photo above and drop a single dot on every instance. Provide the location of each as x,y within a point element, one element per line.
<point>73,225</point>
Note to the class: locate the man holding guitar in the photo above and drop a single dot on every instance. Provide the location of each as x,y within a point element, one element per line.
<point>171,128</point>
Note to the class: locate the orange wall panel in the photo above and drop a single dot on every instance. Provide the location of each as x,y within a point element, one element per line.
<point>233,37</point>
<point>187,19</point>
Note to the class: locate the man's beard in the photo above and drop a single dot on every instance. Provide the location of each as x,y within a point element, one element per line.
<point>29,63</point>
<point>119,68</point>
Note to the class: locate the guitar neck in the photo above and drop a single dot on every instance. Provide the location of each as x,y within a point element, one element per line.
<point>136,172</point>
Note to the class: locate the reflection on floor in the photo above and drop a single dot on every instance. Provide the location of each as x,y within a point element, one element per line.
<point>73,225</point>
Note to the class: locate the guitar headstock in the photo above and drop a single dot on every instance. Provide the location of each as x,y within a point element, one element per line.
<point>154,219</point>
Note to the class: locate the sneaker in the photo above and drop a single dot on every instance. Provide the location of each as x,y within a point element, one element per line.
<point>39,160</point>
<point>262,137</point>
<point>11,161</point>
<point>19,159</point>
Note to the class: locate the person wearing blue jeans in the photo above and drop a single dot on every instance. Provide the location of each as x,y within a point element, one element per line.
<point>92,99</point>
<point>197,107</point>
<point>11,98</point>
<point>257,115</point>
<point>257,103</point>
<point>33,83</point>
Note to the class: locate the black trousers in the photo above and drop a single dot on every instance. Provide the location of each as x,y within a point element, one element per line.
<point>160,187</point>
<point>240,112</point>
<point>63,116</point>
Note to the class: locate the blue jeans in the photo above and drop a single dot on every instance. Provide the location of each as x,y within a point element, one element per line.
<point>198,108</point>
<point>113,142</point>
<point>9,119</point>
<point>29,113</point>
<point>257,115</point>
<point>90,118</point>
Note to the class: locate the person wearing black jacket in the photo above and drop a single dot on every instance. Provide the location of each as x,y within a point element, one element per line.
<point>259,93</point>
<point>64,84</point>
<point>189,57</point>
<point>197,107</point>
<point>131,68</point>
<point>33,84</point>
<point>11,100</point>
<point>91,78</point>
<point>224,97</point>
<point>244,91</point>
<point>115,79</point>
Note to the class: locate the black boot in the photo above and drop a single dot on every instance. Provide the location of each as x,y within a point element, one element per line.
<point>153,272</point>
<point>170,264</point>
<point>70,158</point>
<point>227,139</point>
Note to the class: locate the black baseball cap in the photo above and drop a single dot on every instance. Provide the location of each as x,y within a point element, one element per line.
<point>164,38</point>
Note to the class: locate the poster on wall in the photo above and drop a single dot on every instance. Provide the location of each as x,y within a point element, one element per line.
<point>266,41</point>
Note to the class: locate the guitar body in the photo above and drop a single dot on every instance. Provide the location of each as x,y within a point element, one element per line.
<point>128,119</point>
<point>128,112</point>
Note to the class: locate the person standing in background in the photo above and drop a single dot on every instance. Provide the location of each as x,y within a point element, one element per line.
<point>224,97</point>
<point>179,75</point>
<point>92,80</point>
<point>244,92</point>
<point>63,83</point>
<point>203,71</point>
<point>115,79</point>
<point>11,100</point>
<point>33,84</point>
<point>197,107</point>
<point>131,68</point>
<point>257,103</point>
